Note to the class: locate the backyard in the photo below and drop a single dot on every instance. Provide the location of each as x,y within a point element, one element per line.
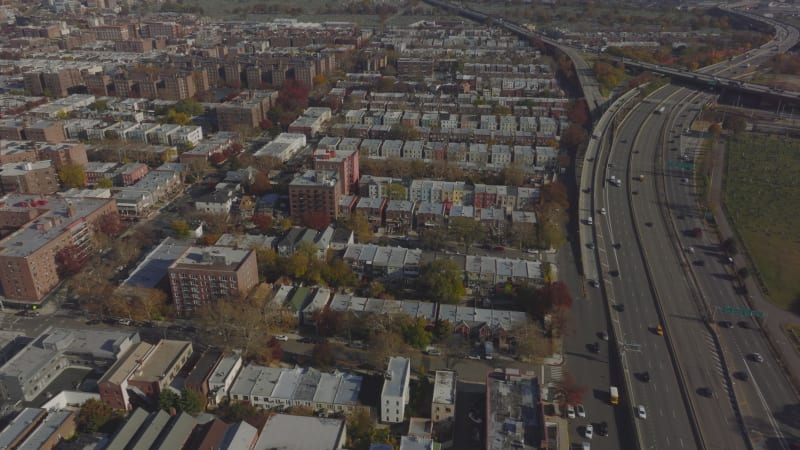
<point>762,197</point>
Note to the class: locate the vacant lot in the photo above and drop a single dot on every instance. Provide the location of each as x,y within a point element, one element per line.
<point>762,197</point>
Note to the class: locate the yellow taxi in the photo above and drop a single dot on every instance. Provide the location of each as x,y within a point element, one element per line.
<point>660,330</point>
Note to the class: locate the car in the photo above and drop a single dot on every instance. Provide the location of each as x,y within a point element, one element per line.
<point>594,283</point>
<point>589,432</point>
<point>757,357</point>
<point>645,376</point>
<point>685,181</point>
<point>304,340</point>
<point>474,357</point>
<point>602,210</point>
<point>580,410</point>
<point>281,337</point>
<point>125,322</point>
<point>594,348</point>
<point>570,411</point>
<point>590,245</point>
<point>189,329</point>
<point>602,428</point>
<point>356,344</point>
<point>725,324</point>
<point>589,221</point>
<point>499,248</point>
<point>659,330</point>
<point>705,392</point>
<point>699,263</point>
<point>433,351</point>
<point>743,376</point>
<point>744,324</point>
<point>641,412</point>
<point>603,335</point>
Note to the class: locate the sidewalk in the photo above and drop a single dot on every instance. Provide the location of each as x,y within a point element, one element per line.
<point>776,318</point>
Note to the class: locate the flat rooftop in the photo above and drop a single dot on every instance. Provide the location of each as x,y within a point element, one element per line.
<point>53,219</point>
<point>444,387</point>
<point>213,256</point>
<point>394,386</point>
<point>161,360</point>
<point>154,267</point>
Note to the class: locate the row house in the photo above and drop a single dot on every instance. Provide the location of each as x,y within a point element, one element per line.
<point>269,387</point>
<point>372,261</point>
<point>399,216</point>
<point>155,186</point>
<point>479,322</point>
<point>430,215</point>
<point>494,219</point>
<point>372,209</point>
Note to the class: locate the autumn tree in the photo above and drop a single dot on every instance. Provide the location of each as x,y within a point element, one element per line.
<point>168,399</point>
<point>414,331</point>
<point>70,260</point>
<point>110,224</point>
<point>359,225</point>
<point>573,138</point>
<point>181,229</point>
<point>568,391</point>
<point>191,402</point>
<point>322,356</point>
<point>94,415</point>
<point>105,183</point>
<point>72,176</point>
<point>734,123</point>
<point>441,280</point>
<point>263,222</point>
<point>467,231</point>
<point>318,220</point>
<point>260,184</point>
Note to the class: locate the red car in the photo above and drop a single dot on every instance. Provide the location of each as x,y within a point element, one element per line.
<point>499,248</point>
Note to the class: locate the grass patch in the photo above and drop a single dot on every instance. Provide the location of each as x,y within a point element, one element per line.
<point>762,199</point>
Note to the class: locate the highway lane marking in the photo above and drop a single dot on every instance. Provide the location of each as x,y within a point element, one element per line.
<point>770,418</point>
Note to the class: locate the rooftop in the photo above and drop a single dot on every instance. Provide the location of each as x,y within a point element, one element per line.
<point>444,387</point>
<point>211,257</point>
<point>395,381</point>
<point>46,430</point>
<point>301,433</point>
<point>163,357</point>
<point>154,267</point>
<point>513,411</point>
<point>54,216</point>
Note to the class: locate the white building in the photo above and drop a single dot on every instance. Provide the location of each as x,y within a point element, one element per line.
<point>222,378</point>
<point>395,393</point>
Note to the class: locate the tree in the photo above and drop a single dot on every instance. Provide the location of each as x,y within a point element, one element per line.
<point>189,106</point>
<point>396,191</point>
<point>70,260</point>
<point>181,229</point>
<point>414,331</point>
<point>736,124</point>
<point>263,222</point>
<point>191,402</point>
<point>573,138</point>
<point>94,415</point>
<point>110,224</point>
<point>72,176</point>
<point>715,129</point>
<point>441,281</point>
<point>322,356</point>
<point>318,220</point>
<point>168,399</point>
<point>260,185</point>
<point>568,391</point>
<point>359,225</point>
<point>105,183</point>
<point>467,231</point>
<point>328,321</point>
<point>338,273</point>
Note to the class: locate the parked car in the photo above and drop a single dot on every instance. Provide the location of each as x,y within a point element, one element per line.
<point>570,411</point>
<point>281,337</point>
<point>641,412</point>
<point>589,433</point>
<point>125,322</point>
<point>581,411</point>
<point>473,357</point>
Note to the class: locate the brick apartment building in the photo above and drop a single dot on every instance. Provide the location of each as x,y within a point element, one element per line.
<point>44,225</point>
<point>246,110</point>
<point>146,369</point>
<point>315,191</point>
<point>46,131</point>
<point>204,274</point>
<point>178,86</point>
<point>344,163</point>
<point>37,177</point>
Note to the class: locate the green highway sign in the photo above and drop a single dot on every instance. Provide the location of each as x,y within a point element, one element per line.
<point>680,164</point>
<point>742,311</point>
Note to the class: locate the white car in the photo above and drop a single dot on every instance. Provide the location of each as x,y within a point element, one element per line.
<point>640,411</point>
<point>281,337</point>
<point>473,357</point>
<point>581,411</point>
<point>125,322</point>
<point>602,210</point>
<point>589,220</point>
<point>589,431</point>
<point>570,412</point>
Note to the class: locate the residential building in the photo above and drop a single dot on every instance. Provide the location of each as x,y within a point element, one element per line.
<point>271,387</point>
<point>514,411</point>
<point>372,209</point>
<point>222,378</point>
<point>344,162</point>
<point>43,227</point>
<point>283,147</point>
<point>51,131</point>
<point>299,432</point>
<point>131,173</point>
<point>21,426</point>
<point>363,307</point>
<point>146,370</point>
<point>28,373</point>
<point>247,110</point>
<point>197,380</point>
<point>315,191</point>
<point>55,426</point>
<point>399,216</point>
<point>443,405</point>
<point>37,177</point>
<point>378,262</point>
<point>205,274</point>
<point>217,202</point>
<point>395,394</point>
